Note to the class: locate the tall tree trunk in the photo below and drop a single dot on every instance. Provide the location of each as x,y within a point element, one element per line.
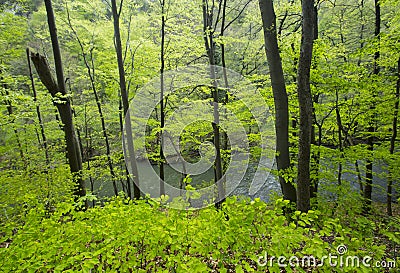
<point>131,157</point>
<point>91,73</point>
<point>371,128</point>
<point>57,90</point>
<point>280,96</point>
<point>226,160</point>
<point>208,33</point>
<point>305,106</point>
<point>340,137</point>
<point>122,162</point>
<point>162,111</point>
<point>88,154</point>
<point>393,140</point>
<point>362,29</point>
<point>315,155</point>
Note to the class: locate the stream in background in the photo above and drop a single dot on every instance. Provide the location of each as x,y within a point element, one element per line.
<point>270,185</point>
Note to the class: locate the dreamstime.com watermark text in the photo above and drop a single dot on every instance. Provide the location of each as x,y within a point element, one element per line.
<point>339,259</point>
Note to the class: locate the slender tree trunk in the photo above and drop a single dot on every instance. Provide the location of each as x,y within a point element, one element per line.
<point>91,73</point>
<point>162,111</point>
<point>10,114</point>
<point>226,160</point>
<point>362,28</point>
<point>359,179</point>
<point>305,106</point>
<point>315,155</point>
<point>57,90</point>
<point>41,125</point>
<point>131,157</point>
<point>280,96</point>
<point>88,154</point>
<point>122,163</point>
<point>182,160</point>
<point>393,140</point>
<point>293,118</point>
<point>314,186</point>
<point>340,127</point>
<point>208,33</point>
<point>74,115</point>
<point>371,128</point>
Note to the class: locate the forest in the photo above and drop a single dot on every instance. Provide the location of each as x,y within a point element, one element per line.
<point>199,136</point>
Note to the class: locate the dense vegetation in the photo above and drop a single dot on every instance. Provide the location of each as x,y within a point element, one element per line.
<point>144,237</point>
<point>68,200</point>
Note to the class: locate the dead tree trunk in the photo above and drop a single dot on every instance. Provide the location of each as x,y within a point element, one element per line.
<point>44,139</point>
<point>61,100</point>
<point>62,103</point>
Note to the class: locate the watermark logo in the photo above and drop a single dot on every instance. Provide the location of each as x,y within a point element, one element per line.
<point>338,259</point>
<point>186,93</point>
<point>341,249</point>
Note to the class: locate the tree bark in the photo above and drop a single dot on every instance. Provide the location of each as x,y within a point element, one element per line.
<point>305,106</point>
<point>162,111</point>
<point>91,73</point>
<point>393,140</point>
<point>88,152</point>
<point>371,128</point>
<point>63,105</point>
<point>280,96</point>
<point>10,114</point>
<point>58,91</point>
<point>226,160</point>
<point>315,155</point>
<point>44,139</point>
<point>340,139</point>
<point>131,157</point>
<point>208,33</point>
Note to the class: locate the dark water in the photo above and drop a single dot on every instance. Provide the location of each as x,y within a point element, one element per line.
<point>268,183</point>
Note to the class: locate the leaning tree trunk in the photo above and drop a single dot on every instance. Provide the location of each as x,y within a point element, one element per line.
<point>59,93</point>
<point>280,96</point>
<point>40,120</point>
<point>305,106</point>
<point>131,158</point>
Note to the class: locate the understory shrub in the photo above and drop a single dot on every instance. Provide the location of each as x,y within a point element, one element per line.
<point>143,236</point>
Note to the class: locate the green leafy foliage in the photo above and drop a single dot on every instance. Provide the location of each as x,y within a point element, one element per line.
<point>143,236</point>
<point>41,229</point>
